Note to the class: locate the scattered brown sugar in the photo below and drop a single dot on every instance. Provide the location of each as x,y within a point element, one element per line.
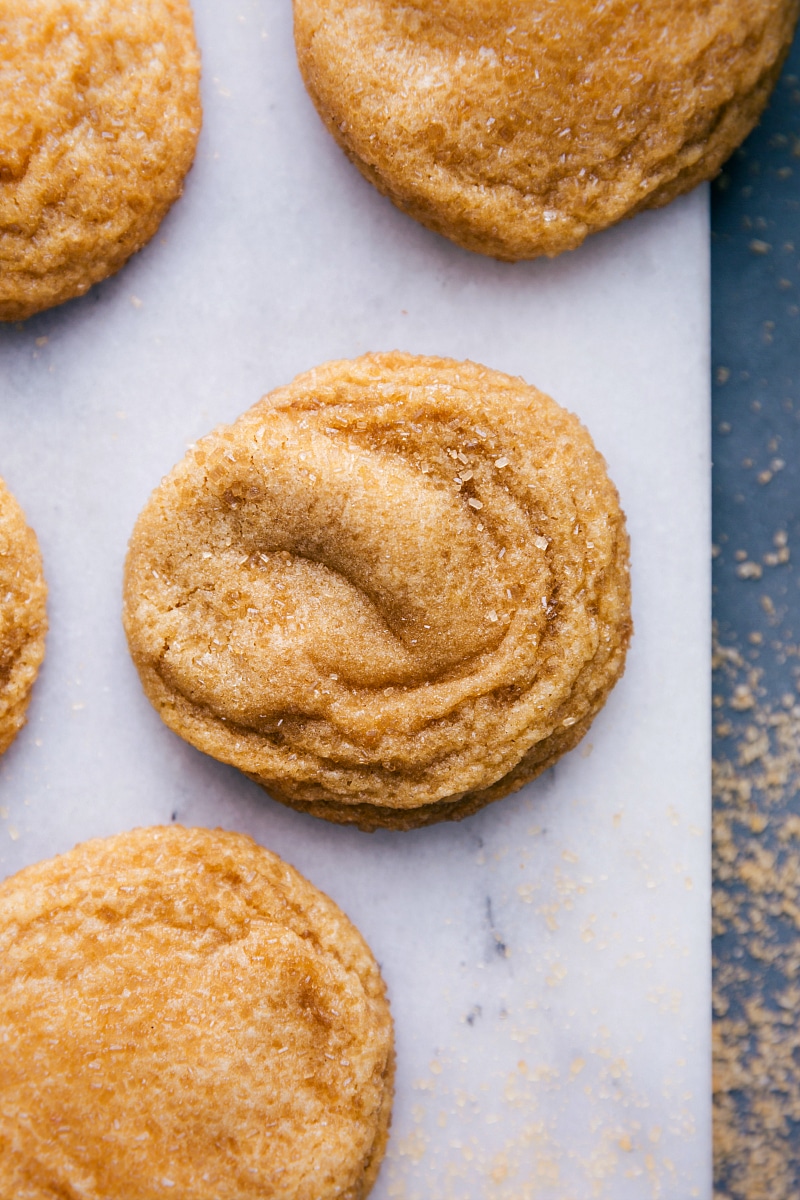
<point>756,923</point>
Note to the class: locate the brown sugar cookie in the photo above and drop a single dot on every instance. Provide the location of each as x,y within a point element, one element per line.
<point>183,1014</point>
<point>391,592</point>
<point>23,618</point>
<point>517,127</point>
<point>99,118</point>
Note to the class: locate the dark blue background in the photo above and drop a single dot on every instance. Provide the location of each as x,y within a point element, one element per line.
<point>756,503</point>
<point>756,354</point>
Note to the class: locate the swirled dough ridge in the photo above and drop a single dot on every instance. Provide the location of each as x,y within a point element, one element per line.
<point>389,592</point>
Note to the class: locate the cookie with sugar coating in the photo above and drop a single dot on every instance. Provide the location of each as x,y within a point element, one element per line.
<point>391,592</point>
<point>99,119</point>
<point>23,616</point>
<point>182,1013</point>
<point>517,127</point>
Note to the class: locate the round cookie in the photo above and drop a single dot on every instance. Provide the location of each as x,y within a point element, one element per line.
<point>183,1014</point>
<point>517,127</point>
<point>23,617</point>
<point>391,592</point>
<point>99,118</point>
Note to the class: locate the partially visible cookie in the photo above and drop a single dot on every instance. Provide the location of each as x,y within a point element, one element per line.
<point>99,118</point>
<point>391,592</point>
<point>23,618</point>
<point>517,127</point>
<point>183,1014</point>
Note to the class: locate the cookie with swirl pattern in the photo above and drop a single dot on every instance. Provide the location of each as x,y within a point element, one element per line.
<point>391,592</point>
<point>182,1013</point>
<point>99,119</point>
<point>517,127</point>
<point>23,616</point>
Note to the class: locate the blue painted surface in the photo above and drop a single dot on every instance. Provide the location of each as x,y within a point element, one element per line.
<point>756,355</point>
<point>756,511</point>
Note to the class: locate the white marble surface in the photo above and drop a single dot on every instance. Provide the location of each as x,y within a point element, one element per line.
<point>548,960</point>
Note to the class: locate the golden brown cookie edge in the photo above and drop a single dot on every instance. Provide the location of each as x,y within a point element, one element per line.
<point>13,707</point>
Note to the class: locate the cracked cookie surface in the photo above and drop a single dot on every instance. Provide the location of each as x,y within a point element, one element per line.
<point>182,1013</point>
<point>23,617</point>
<point>517,127</point>
<point>99,118</point>
<point>390,592</point>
